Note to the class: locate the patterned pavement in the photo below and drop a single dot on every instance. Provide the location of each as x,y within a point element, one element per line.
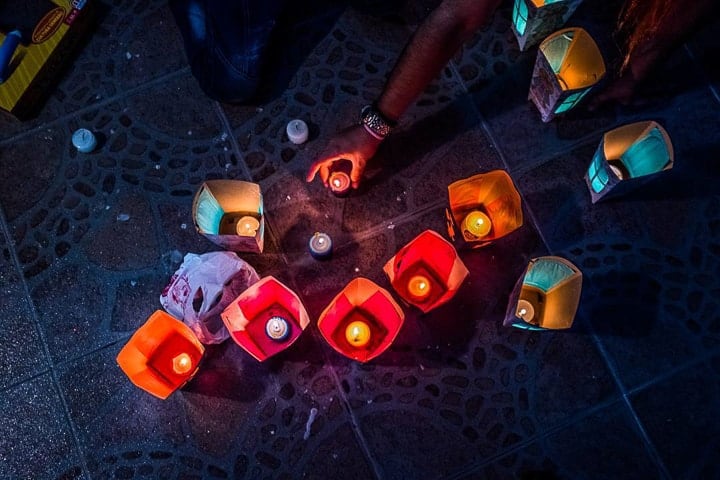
<point>88,241</point>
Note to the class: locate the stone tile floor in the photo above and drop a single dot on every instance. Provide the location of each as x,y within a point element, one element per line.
<point>631,391</point>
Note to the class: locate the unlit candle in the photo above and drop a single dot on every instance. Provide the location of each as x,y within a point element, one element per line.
<point>297,131</point>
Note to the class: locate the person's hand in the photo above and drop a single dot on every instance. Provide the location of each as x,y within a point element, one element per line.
<point>354,144</point>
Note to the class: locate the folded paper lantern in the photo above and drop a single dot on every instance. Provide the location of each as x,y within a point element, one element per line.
<point>483,208</point>
<point>627,157</point>
<point>161,356</point>
<point>546,296</point>
<point>229,213</point>
<point>362,321</point>
<point>533,20</point>
<point>568,64</point>
<point>426,272</point>
<point>266,318</point>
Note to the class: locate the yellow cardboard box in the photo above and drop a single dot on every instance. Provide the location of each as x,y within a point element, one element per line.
<point>51,29</point>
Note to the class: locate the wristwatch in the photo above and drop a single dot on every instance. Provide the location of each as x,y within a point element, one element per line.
<point>376,124</point>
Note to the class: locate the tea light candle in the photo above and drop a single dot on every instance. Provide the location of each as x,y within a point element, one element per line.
<point>339,183</point>
<point>419,287</point>
<point>617,171</point>
<point>320,245</point>
<point>477,224</point>
<point>84,140</point>
<point>182,363</point>
<point>297,131</point>
<point>525,310</point>
<point>247,226</point>
<point>357,334</point>
<point>277,328</point>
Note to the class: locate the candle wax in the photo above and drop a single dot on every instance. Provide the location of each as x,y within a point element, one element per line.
<point>477,224</point>
<point>247,226</point>
<point>320,245</point>
<point>358,334</point>
<point>525,310</point>
<point>182,363</point>
<point>419,287</point>
<point>277,328</point>
<point>339,182</point>
<point>297,131</point>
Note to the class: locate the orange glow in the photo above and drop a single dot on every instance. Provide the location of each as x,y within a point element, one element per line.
<point>339,181</point>
<point>247,226</point>
<point>525,310</point>
<point>362,320</point>
<point>419,287</point>
<point>477,223</point>
<point>182,364</point>
<point>358,334</point>
<point>161,355</point>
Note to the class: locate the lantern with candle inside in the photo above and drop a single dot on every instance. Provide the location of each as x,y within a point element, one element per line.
<point>161,356</point>
<point>229,213</point>
<point>482,209</point>
<point>266,318</point>
<point>627,157</point>
<point>533,20</point>
<point>568,65</point>
<point>427,272</point>
<point>546,296</point>
<point>362,321</point>
<point>339,181</point>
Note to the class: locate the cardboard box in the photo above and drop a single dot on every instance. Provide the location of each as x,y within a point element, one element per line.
<point>48,32</point>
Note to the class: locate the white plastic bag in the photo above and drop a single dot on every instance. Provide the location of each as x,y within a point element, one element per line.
<point>201,289</point>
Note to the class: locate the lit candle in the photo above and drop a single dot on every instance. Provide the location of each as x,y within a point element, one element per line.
<point>277,328</point>
<point>320,245</point>
<point>182,363</point>
<point>477,224</point>
<point>297,131</point>
<point>357,334</point>
<point>84,140</point>
<point>419,287</point>
<point>247,226</point>
<point>525,310</point>
<point>339,183</point>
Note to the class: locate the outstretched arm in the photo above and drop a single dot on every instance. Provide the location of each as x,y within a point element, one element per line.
<point>430,48</point>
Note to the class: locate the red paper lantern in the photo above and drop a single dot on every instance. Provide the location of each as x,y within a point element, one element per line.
<point>426,272</point>
<point>361,321</point>
<point>161,356</point>
<point>266,318</point>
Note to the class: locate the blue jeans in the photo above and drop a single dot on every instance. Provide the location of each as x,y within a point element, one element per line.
<point>225,41</point>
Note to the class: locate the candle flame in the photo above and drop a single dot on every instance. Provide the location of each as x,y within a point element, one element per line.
<point>182,363</point>
<point>336,182</point>
<point>357,333</point>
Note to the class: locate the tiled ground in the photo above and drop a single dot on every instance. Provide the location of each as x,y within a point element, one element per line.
<point>89,241</point>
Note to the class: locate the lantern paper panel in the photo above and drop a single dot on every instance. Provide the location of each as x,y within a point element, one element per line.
<point>547,295</point>
<point>362,321</point>
<point>229,213</point>
<point>427,272</point>
<point>534,20</point>
<point>568,65</point>
<point>161,356</point>
<point>266,318</point>
<point>483,208</point>
<point>627,157</point>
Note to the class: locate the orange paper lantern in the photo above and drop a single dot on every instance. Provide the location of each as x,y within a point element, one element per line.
<point>426,272</point>
<point>161,356</point>
<point>361,321</point>
<point>266,318</point>
<point>483,208</point>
